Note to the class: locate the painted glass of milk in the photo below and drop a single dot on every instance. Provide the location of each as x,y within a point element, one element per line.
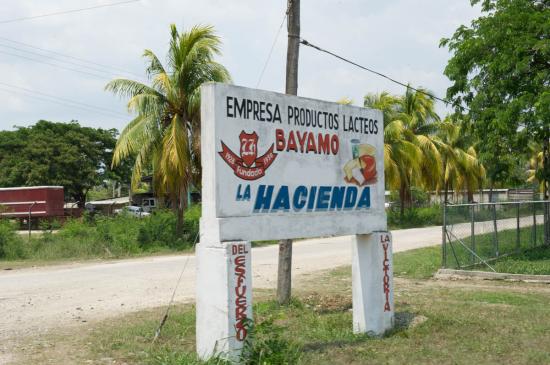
<point>355,148</point>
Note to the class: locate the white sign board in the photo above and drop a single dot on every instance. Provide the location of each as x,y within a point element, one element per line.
<point>277,166</point>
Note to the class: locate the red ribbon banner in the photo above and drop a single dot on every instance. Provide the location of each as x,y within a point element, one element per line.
<point>244,172</point>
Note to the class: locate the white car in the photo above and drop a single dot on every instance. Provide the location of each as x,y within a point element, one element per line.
<point>133,211</point>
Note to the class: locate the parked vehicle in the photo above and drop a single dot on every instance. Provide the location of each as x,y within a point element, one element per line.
<point>149,204</point>
<point>32,202</point>
<point>133,211</point>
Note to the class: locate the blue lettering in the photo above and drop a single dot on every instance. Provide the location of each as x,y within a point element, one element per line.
<point>364,200</point>
<point>351,197</point>
<point>299,199</point>
<point>263,198</point>
<point>323,198</point>
<point>245,195</point>
<point>282,201</point>
<point>337,198</point>
<point>311,200</point>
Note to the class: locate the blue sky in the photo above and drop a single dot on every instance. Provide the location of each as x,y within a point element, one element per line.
<point>396,37</point>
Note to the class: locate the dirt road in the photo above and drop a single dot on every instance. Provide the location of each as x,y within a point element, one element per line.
<point>36,300</point>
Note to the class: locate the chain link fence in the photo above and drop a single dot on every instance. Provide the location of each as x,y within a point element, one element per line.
<point>476,234</point>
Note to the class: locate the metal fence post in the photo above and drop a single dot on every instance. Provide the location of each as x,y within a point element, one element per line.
<point>472,233</point>
<point>534,224</point>
<point>444,238</point>
<point>546,222</point>
<point>518,229</point>
<point>495,230</point>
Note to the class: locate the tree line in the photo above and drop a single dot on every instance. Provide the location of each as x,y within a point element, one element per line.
<point>498,135</point>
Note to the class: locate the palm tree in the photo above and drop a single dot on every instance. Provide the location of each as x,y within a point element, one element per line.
<point>411,154</point>
<point>462,169</point>
<point>536,166</point>
<point>400,153</point>
<point>164,137</point>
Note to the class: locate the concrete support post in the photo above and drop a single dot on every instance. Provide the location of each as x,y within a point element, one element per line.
<point>372,283</point>
<point>224,298</point>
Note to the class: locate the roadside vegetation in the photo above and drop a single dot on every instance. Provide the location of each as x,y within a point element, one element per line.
<point>102,237</point>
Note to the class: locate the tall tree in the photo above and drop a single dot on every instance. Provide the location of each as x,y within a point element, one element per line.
<point>462,169</point>
<point>165,134</point>
<point>67,154</point>
<point>500,69</point>
<point>411,153</point>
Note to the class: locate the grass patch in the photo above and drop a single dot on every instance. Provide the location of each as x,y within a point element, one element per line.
<point>420,263</point>
<point>472,324</point>
<point>533,262</point>
<point>486,245</point>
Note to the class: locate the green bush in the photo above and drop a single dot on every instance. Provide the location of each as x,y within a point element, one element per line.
<point>100,236</point>
<point>11,244</point>
<point>159,229</point>
<point>266,344</point>
<point>415,217</point>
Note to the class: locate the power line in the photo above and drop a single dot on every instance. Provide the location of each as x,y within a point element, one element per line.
<point>447,102</point>
<point>72,57</point>
<point>102,77</point>
<point>60,101</point>
<point>66,12</point>
<point>9,91</point>
<point>55,59</point>
<point>273,45</point>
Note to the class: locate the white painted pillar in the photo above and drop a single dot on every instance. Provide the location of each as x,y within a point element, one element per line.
<point>224,298</point>
<point>372,283</point>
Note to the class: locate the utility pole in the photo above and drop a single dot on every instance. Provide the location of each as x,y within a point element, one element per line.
<point>284,275</point>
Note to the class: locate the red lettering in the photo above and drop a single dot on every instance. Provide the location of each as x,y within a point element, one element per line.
<point>386,269</point>
<point>291,142</point>
<point>311,143</point>
<point>302,140</point>
<point>334,144</point>
<point>240,293</point>
<point>280,139</point>
<point>306,142</point>
<point>323,143</point>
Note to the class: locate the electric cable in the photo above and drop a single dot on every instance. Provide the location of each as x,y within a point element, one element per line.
<point>66,12</point>
<point>447,102</point>
<point>165,316</point>
<point>273,45</point>
<point>101,77</point>
<point>55,59</point>
<point>117,69</point>
<point>57,100</point>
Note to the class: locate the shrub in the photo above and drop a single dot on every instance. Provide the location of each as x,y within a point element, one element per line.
<point>265,344</point>
<point>11,245</point>
<point>159,229</point>
<point>415,217</point>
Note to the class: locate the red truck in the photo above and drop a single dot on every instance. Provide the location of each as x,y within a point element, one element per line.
<point>38,202</point>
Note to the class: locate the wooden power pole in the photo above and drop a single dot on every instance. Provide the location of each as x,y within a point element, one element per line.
<point>284,275</point>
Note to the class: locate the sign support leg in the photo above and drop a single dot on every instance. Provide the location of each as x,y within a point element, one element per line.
<point>372,283</point>
<point>224,298</point>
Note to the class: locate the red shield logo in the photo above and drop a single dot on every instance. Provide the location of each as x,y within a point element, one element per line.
<point>248,166</point>
<point>249,147</point>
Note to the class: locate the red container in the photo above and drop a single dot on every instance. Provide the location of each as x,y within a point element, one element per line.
<point>42,201</point>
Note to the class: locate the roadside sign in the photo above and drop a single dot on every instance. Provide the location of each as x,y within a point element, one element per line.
<point>287,167</point>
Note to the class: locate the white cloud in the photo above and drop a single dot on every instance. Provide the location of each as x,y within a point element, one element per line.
<point>398,37</point>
